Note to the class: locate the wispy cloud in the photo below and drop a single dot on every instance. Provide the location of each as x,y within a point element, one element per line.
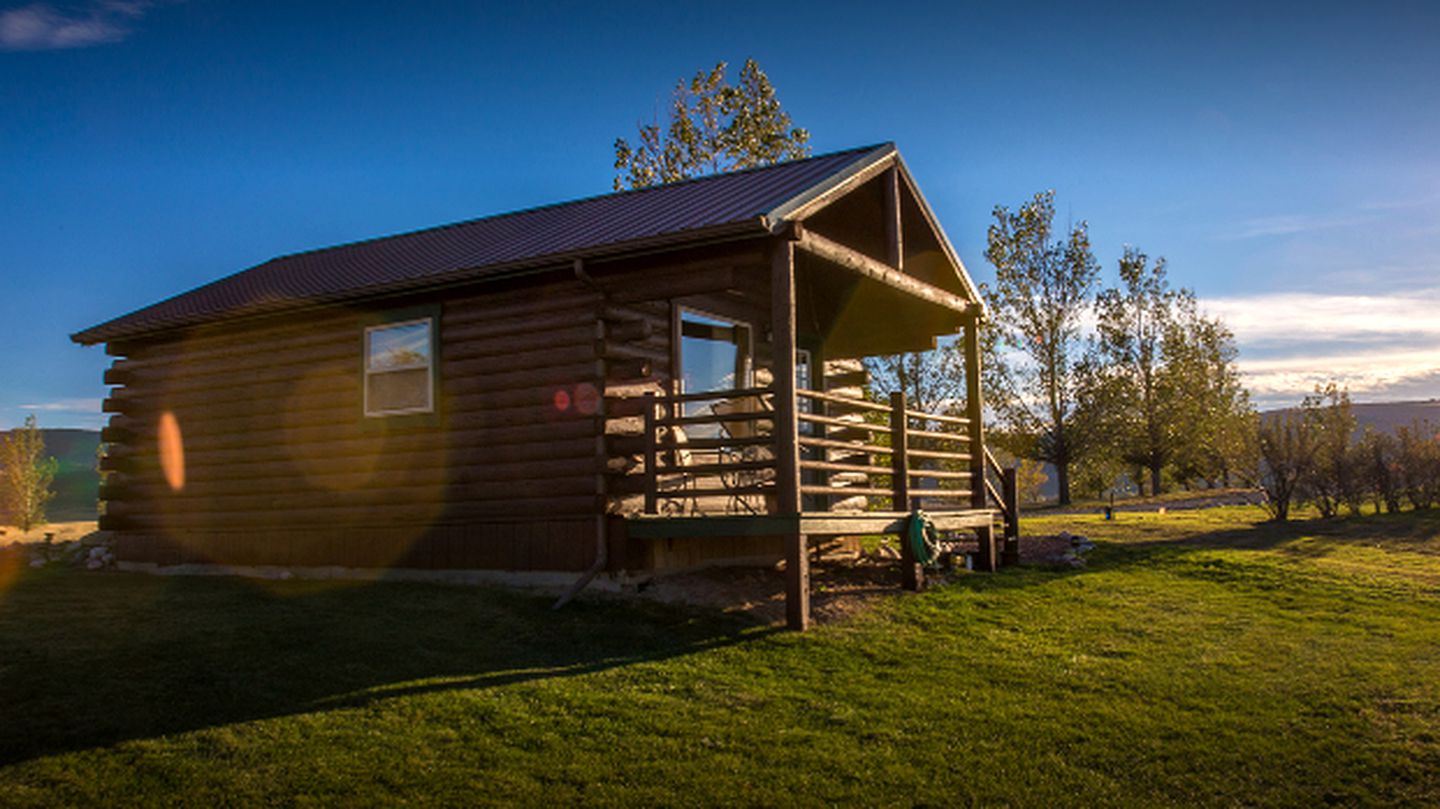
<point>41,26</point>
<point>1297,317</point>
<point>64,406</point>
<point>1381,346</point>
<point>1291,224</point>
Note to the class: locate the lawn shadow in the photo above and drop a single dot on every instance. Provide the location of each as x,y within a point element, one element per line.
<point>1415,531</point>
<point>89,660</point>
<point>1160,543</point>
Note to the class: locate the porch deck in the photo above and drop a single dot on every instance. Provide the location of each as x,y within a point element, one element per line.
<point>808,523</point>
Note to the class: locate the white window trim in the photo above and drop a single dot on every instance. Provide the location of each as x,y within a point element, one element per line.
<point>747,351</point>
<point>428,365</point>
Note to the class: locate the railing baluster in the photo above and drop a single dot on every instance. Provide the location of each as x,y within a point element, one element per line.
<point>899,454</point>
<point>1010,484</point>
<point>652,485</point>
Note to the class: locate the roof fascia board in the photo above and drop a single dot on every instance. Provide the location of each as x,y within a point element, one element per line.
<point>940,236</point>
<point>827,190</point>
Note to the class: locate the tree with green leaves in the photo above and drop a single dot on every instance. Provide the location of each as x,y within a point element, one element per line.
<point>932,381</point>
<point>1169,392</point>
<point>1286,445</point>
<point>1136,322</point>
<point>1333,479</point>
<point>1219,436</point>
<point>1418,457</point>
<point>714,127</point>
<point>25,475</point>
<point>1044,286</point>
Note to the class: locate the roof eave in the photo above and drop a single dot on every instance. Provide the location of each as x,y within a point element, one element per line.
<point>742,229</point>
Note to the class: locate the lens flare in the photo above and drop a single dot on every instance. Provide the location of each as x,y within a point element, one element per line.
<point>172,451</point>
<point>587,399</point>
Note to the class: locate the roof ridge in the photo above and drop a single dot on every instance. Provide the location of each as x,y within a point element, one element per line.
<point>565,203</point>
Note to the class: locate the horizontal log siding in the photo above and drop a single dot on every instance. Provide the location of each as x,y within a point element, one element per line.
<point>281,467</point>
<point>732,283</point>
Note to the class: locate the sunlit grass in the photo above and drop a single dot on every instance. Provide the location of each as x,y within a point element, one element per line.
<point>1202,657</point>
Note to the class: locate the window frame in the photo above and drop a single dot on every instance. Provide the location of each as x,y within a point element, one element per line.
<point>745,354</point>
<point>407,319</point>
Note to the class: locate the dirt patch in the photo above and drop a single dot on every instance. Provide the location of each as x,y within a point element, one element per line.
<point>68,543</point>
<point>839,588</point>
<point>63,532</point>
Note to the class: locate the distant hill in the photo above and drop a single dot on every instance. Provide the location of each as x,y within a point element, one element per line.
<point>1386,417</point>
<point>76,481</point>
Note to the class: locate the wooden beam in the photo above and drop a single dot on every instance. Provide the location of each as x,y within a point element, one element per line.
<point>894,235</point>
<point>797,582</point>
<point>986,560</point>
<point>787,445</point>
<point>974,410</point>
<point>1011,492</point>
<point>787,448</point>
<point>912,577</point>
<point>868,267</point>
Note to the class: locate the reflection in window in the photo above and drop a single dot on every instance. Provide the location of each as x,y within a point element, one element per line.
<point>399,374</point>
<point>803,381</point>
<point>714,356</point>
<point>714,353</point>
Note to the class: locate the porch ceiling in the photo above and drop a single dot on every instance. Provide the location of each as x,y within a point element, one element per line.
<point>856,314</point>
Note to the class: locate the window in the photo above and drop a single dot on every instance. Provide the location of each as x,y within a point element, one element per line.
<point>714,353</point>
<point>399,372</point>
<point>803,381</point>
<point>714,356</point>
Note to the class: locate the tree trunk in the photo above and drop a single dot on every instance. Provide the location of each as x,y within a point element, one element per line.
<point>1062,477</point>
<point>1155,479</point>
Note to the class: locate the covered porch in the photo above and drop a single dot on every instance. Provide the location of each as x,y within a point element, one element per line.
<point>792,448</point>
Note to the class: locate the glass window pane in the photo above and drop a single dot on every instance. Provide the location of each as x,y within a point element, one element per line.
<point>710,353</point>
<point>404,346</point>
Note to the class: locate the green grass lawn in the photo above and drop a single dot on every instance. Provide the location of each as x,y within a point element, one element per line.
<point>1202,657</point>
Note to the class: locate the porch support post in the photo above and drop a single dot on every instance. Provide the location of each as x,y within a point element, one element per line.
<point>986,559</point>
<point>912,575</point>
<point>782,342</point>
<point>1010,490</point>
<point>787,447</point>
<point>797,582</point>
<point>975,412</point>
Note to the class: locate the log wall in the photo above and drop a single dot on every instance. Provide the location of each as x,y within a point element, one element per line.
<point>281,467</point>
<point>535,404</point>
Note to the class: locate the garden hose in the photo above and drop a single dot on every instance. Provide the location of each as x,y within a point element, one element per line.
<point>923,538</point>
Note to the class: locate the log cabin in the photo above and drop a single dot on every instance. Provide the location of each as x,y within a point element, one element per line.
<point>624,385</point>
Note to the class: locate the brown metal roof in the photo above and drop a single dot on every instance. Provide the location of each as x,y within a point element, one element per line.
<point>725,204</point>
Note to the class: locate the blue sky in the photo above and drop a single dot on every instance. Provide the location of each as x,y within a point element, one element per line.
<point>1286,160</point>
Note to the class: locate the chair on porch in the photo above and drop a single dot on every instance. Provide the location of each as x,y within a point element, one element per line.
<point>741,480</point>
<point>676,498</point>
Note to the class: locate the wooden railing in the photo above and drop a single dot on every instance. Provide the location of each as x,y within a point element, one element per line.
<point>721,460</point>
<point>1007,498</point>
<point>925,455</point>
<point>714,453</point>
